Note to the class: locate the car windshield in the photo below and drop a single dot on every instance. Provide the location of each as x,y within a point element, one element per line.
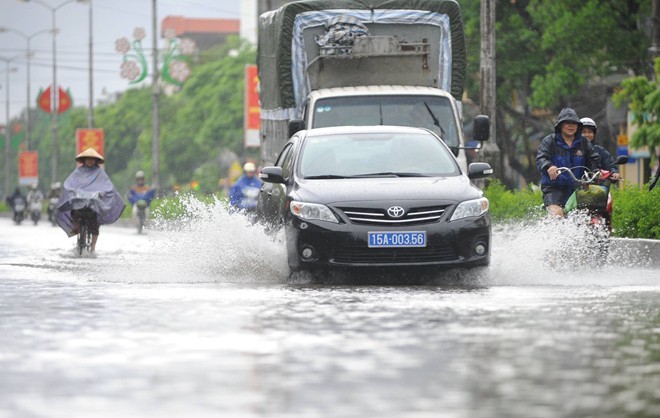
<point>430,112</point>
<point>375,155</point>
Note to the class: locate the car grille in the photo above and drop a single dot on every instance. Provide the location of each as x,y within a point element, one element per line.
<point>428,254</point>
<point>377,216</point>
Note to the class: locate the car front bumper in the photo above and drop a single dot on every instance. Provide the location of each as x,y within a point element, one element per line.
<point>450,244</point>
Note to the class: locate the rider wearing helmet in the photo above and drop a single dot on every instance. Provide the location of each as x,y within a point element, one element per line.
<point>607,162</point>
<point>244,193</point>
<point>564,148</point>
<point>140,191</point>
<point>34,196</point>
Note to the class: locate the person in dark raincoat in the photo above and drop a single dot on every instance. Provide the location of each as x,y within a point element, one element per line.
<point>88,186</point>
<point>607,162</point>
<point>11,202</point>
<point>566,147</point>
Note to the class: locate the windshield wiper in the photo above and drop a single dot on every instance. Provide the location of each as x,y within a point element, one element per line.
<point>325,176</point>
<point>391,174</point>
<point>436,122</point>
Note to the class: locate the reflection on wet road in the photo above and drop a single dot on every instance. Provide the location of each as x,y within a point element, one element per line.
<point>203,320</point>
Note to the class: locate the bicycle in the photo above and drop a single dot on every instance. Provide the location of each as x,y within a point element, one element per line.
<point>85,217</point>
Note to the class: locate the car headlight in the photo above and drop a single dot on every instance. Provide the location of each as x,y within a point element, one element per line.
<point>312,211</point>
<point>470,208</point>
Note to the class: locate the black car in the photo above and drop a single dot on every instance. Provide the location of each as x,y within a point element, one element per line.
<point>375,196</point>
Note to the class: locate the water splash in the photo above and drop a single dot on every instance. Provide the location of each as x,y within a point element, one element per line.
<point>210,244</point>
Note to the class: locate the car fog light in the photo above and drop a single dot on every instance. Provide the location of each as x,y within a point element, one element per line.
<point>303,225</point>
<point>307,253</point>
<point>480,249</point>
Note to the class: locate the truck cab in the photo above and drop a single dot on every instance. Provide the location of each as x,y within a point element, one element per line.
<point>423,107</point>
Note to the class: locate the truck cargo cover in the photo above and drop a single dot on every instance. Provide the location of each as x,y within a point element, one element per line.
<point>282,57</point>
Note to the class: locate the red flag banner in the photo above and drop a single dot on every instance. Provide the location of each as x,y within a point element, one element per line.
<point>89,138</point>
<point>44,100</point>
<point>252,111</point>
<point>64,100</point>
<point>28,167</point>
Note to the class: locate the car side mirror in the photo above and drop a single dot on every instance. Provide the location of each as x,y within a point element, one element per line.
<point>271,174</point>
<point>295,126</point>
<point>481,128</point>
<point>621,159</point>
<point>479,170</point>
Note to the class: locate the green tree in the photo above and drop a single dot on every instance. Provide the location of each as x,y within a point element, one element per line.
<point>547,50</point>
<point>643,98</point>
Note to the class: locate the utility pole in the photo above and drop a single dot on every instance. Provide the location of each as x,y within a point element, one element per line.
<point>155,142</point>
<point>491,151</point>
<point>90,118</point>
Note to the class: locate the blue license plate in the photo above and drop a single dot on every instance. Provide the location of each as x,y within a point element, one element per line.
<point>397,239</point>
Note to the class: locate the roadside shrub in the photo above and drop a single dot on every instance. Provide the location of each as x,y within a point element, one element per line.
<point>636,212</point>
<point>180,205</point>
<point>507,205</point>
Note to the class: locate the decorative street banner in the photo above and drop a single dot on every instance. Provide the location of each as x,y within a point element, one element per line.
<point>89,138</point>
<point>63,99</point>
<point>252,109</point>
<point>28,167</point>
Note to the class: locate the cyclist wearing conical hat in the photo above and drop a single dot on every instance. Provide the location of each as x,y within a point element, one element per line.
<point>88,187</point>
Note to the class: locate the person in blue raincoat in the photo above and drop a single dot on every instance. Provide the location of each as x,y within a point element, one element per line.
<point>140,191</point>
<point>244,193</point>
<point>88,186</point>
<point>566,147</point>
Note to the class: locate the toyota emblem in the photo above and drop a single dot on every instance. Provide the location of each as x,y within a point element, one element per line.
<point>395,211</point>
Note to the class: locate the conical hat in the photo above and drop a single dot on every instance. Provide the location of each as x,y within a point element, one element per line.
<point>91,153</point>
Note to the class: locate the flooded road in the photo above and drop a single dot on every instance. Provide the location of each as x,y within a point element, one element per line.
<point>202,319</point>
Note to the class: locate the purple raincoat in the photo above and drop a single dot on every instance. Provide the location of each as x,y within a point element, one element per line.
<point>89,187</point>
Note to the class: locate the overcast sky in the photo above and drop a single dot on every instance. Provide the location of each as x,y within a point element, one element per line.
<point>112,19</point>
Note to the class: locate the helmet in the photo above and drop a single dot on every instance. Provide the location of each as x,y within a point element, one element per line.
<point>249,167</point>
<point>589,123</point>
<point>33,186</point>
<point>139,174</point>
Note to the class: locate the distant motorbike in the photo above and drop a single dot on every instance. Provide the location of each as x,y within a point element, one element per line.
<point>52,208</point>
<point>142,206</point>
<point>35,211</point>
<point>19,209</point>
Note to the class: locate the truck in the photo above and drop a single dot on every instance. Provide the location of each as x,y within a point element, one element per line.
<point>324,63</point>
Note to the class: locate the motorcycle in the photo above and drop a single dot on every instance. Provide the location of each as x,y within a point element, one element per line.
<point>19,209</point>
<point>52,208</point>
<point>589,207</point>
<point>592,195</point>
<point>35,211</point>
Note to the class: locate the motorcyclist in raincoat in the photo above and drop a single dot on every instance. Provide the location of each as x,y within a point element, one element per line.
<point>88,186</point>
<point>566,147</point>
<point>244,193</point>
<point>19,210</point>
<point>140,191</point>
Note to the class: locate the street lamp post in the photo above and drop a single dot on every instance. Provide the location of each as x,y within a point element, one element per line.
<point>27,38</point>
<point>53,97</point>
<point>7,130</point>
<point>90,119</point>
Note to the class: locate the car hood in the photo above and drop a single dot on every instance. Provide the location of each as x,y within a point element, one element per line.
<point>443,190</point>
